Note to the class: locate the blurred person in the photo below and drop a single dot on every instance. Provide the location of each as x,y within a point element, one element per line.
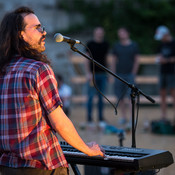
<point>98,47</point>
<point>31,112</point>
<point>125,64</point>
<point>166,59</point>
<point>65,93</point>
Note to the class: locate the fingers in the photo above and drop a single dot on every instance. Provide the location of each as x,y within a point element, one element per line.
<point>90,144</point>
<point>102,150</point>
<point>102,154</point>
<point>97,150</point>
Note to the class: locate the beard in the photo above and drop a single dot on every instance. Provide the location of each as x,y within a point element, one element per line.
<point>40,46</point>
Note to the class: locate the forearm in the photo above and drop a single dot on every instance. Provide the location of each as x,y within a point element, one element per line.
<point>87,70</point>
<point>112,64</point>
<point>70,135</point>
<point>136,65</point>
<point>164,60</point>
<point>172,60</point>
<point>112,67</point>
<point>135,68</point>
<point>63,125</point>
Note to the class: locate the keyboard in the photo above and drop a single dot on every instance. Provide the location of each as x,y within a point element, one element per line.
<point>124,158</point>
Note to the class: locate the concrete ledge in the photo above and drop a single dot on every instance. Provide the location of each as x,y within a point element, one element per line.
<point>81,99</point>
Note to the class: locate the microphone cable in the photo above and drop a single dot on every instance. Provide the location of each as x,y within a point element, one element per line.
<point>124,92</point>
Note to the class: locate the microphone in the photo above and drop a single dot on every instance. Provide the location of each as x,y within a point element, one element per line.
<point>60,38</point>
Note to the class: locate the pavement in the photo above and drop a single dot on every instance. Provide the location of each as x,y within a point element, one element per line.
<point>144,136</point>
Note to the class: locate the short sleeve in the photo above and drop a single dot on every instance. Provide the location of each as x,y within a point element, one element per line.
<point>47,89</point>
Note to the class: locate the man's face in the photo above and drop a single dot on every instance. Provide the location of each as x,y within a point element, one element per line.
<point>123,34</point>
<point>99,34</point>
<point>33,33</point>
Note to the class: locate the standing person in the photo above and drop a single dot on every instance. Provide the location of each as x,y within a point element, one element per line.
<point>166,59</point>
<point>31,110</point>
<point>65,93</point>
<point>125,64</point>
<point>99,50</point>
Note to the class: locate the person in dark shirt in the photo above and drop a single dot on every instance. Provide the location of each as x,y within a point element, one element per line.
<point>99,50</point>
<point>166,59</point>
<point>125,64</point>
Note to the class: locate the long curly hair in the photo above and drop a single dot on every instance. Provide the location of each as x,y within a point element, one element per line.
<point>11,41</point>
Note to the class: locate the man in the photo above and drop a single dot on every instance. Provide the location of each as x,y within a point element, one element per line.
<point>166,59</point>
<point>30,108</point>
<point>98,47</point>
<point>125,64</point>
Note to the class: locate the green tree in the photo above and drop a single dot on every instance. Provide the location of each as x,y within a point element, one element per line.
<point>141,17</point>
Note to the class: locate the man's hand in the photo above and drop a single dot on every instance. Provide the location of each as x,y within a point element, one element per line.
<point>163,60</point>
<point>96,150</point>
<point>89,76</point>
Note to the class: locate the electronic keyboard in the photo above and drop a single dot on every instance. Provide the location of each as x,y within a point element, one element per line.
<point>122,158</point>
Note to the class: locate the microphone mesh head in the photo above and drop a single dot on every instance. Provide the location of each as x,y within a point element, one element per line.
<point>58,37</point>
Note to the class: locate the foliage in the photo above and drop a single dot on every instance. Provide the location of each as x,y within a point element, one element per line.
<point>141,17</point>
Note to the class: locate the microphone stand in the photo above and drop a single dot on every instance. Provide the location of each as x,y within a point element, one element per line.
<point>135,92</point>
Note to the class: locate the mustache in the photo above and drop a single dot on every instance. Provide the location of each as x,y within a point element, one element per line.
<point>43,37</point>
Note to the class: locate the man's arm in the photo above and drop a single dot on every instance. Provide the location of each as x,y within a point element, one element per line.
<point>87,69</point>
<point>112,67</point>
<point>63,125</point>
<point>163,60</point>
<point>136,65</point>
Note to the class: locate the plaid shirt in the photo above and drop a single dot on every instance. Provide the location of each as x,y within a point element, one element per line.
<point>28,93</point>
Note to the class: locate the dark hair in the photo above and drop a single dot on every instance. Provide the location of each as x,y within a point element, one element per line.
<point>123,27</point>
<point>11,41</point>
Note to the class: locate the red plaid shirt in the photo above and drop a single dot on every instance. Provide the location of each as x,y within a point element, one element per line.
<point>28,93</point>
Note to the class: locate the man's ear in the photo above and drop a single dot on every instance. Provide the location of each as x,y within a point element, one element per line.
<point>22,34</point>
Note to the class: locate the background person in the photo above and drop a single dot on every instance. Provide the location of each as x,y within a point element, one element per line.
<point>125,64</point>
<point>166,59</point>
<point>99,47</point>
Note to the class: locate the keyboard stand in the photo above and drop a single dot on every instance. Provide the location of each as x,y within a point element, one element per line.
<point>75,169</point>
